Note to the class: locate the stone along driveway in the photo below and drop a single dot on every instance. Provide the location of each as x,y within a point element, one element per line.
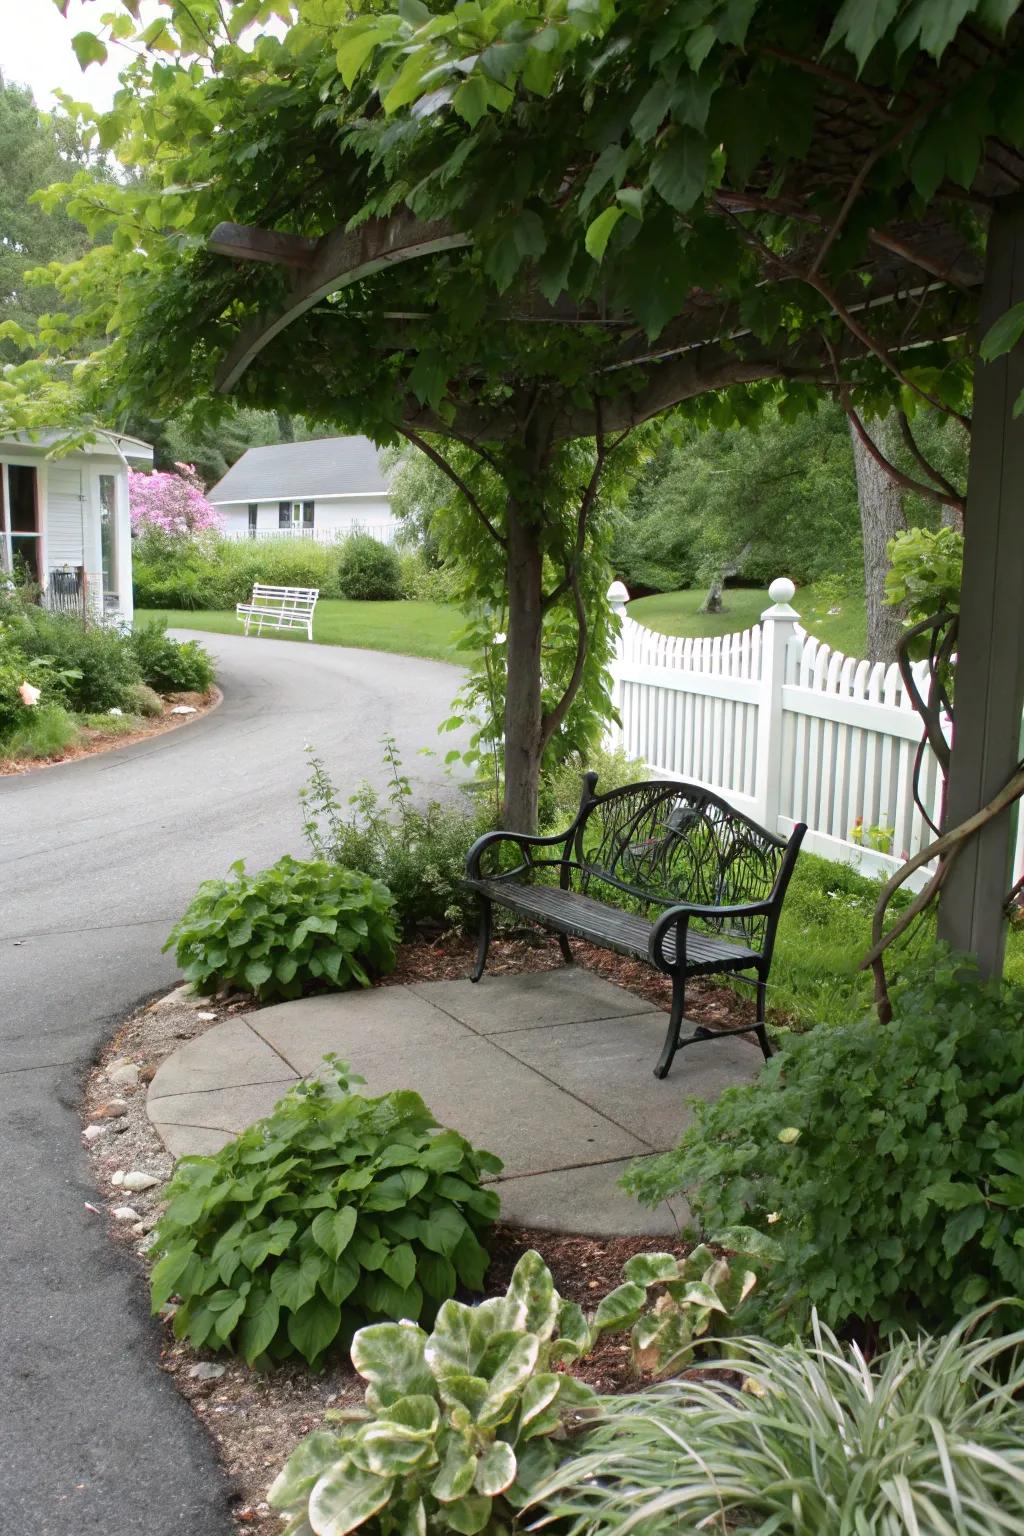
<point>553,1071</point>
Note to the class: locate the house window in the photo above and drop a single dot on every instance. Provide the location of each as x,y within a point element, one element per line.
<point>284,514</point>
<point>307,514</point>
<point>253,509</point>
<point>108,537</point>
<point>22,535</point>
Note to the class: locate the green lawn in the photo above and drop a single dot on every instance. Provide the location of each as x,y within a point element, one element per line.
<point>675,613</point>
<point>411,628</point>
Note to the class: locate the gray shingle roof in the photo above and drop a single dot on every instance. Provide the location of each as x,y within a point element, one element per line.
<point>327,466</point>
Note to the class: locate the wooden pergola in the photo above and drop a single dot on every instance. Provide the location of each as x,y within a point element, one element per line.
<point>920,280</point>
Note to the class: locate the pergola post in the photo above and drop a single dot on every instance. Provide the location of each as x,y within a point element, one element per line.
<point>990,668</point>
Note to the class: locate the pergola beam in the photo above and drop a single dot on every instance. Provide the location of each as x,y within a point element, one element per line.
<point>336,261</point>
<point>990,665</point>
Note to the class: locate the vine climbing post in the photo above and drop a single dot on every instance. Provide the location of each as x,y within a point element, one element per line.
<point>990,668</point>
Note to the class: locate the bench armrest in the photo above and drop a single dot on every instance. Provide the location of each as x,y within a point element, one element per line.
<point>681,916</point>
<point>524,840</point>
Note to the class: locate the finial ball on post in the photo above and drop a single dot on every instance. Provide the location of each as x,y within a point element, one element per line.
<point>782,590</point>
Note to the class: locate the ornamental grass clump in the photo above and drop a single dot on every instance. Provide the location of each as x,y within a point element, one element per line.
<point>333,1212</point>
<point>809,1440</point>
<point>286,930</point>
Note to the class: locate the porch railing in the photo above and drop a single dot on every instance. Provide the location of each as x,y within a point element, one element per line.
<point>65,590</point>
<point>384,533</point>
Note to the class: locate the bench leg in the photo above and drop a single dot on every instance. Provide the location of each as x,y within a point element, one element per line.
<point>762,1033</point>
<point>675,1020</point>
<point>484,941</point>
<point>566,948</point>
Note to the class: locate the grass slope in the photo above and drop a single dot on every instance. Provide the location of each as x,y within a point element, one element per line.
<point>409,628</point>
<point>675,613</point>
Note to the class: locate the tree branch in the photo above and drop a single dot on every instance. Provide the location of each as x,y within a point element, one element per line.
<point>454,476</point>
<point>918,487</point>
<point>929,469</point>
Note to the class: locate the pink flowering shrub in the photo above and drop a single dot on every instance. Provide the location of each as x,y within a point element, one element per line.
<point>172,504</point>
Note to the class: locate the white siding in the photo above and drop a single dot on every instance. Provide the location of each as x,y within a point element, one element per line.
<point>65,513</point>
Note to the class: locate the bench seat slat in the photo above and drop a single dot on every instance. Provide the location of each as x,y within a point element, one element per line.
<point>627,933</point>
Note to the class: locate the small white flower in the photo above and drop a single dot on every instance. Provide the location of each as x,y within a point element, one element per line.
<point>29,694</point>
<point>115,711</point>
<point>500,637</point>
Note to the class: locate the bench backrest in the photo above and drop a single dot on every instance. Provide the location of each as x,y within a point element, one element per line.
<point>286,598</point>
<point>663,843</point>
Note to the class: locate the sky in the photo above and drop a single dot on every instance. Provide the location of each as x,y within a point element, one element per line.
<point>35,50</point>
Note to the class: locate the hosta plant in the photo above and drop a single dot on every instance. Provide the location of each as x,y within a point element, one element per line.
<point>673,1306</point>
<point>287,929</point>
<point>334,1211</point>
<point>460,1425</point>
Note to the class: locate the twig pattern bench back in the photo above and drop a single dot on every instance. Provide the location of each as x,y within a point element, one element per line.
<point>660,871</point>
<point>279,608</point>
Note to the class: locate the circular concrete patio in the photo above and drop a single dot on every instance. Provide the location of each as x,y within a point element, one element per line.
<point>553,1071</point>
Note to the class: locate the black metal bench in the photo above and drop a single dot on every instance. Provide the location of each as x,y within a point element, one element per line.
<point>659,845</point>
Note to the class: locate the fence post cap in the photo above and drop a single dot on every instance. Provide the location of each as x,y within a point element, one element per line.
<point>618,594</point>
<point>782,590</point>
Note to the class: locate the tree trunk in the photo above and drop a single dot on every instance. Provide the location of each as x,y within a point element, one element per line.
<point>881,519</point>
<point>523,692</point>
<point>713,602</point>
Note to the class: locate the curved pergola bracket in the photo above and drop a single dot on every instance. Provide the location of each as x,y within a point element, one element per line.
<point>322,267</point>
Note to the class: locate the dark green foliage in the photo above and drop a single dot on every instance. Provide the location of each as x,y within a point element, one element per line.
<point>419,852</point>
<point>781,500</point>
<point>369,571</point>
<point>334,1211</point>
<point>171,666</point>
<point>286,930</point>
<point>97,664</point>
<point>889,1160</point>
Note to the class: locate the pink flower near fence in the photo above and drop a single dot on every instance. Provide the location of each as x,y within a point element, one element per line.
<point>172,503</point>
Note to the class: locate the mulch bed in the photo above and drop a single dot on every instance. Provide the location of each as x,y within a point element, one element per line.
<point>91,742</point>
<point>256,1420</point>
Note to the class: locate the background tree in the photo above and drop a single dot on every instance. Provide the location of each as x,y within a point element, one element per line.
<point>36,149</point>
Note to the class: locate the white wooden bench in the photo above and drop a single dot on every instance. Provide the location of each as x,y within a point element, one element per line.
<point>279,608</point>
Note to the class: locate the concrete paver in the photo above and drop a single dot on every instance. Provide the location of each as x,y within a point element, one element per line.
<point>233,1054</point>
<point>565,1105</point>
<point>531,1001</point>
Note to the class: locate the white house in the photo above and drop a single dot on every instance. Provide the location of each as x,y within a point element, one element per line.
<point>65,519</point>
<point>322,489</point>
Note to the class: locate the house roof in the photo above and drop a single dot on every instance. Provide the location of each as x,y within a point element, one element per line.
<point>327,466</point>
<point>116,444</point>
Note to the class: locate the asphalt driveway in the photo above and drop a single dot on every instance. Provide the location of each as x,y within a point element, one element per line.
<point>97,859</point>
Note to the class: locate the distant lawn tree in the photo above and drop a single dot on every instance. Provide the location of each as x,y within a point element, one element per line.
<point>513,233</point>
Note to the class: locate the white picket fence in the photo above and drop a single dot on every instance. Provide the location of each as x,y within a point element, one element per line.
<point>785,729</point>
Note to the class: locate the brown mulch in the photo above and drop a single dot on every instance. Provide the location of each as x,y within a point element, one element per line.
<point>256,1420</point>
<point>91,742</point>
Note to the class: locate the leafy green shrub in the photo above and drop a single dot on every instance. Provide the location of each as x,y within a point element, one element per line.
<point>420,854</point>
<point>218,573</point>
<point>45,731</point>
<point>15,669</point>
<point>110,725</point>
<point>286,929</point>
<point>143,700</point>
<point>926,567</point>
<point>888,1160</point>
<point>171,666</point>
<point>368,570</point>
<point>562,786</point>
<point>927,1438</point>
<point>333,1210</point>
<point>95,664</point>
<point>460,1425</point>
<point>427,583</point>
